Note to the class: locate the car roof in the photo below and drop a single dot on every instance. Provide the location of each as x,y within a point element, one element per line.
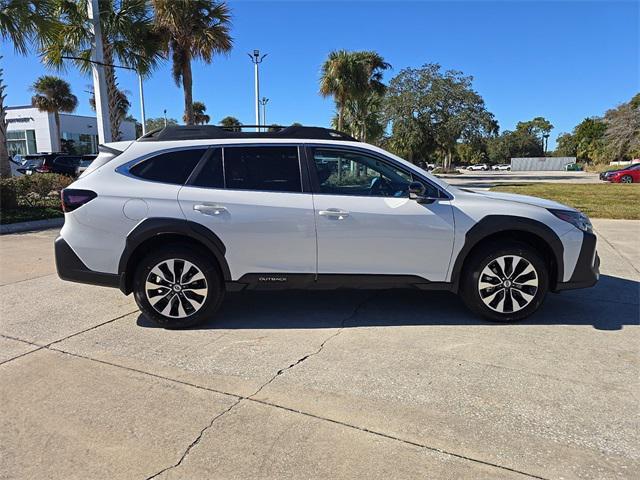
<point>213,132</point>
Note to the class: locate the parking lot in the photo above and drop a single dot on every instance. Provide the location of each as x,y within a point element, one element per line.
<point>333,384</point>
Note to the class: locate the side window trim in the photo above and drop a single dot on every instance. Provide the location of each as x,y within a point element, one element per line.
<point>315,184</point>
<point>125,167</point>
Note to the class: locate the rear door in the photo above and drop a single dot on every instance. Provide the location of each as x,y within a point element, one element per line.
<point>253,199</point>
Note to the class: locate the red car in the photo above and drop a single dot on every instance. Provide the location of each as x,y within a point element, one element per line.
<point>630,174</point>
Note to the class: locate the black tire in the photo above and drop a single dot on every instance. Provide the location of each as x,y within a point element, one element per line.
<point>516,287</point>
<point>204,310</point>
<point>626,179</point>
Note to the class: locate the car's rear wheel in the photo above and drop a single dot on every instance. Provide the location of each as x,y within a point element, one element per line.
<point>505,282</point>
<point>178,287</point>
<point>626,179</point>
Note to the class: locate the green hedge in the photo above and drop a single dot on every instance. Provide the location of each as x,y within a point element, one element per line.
<point>35,195</point>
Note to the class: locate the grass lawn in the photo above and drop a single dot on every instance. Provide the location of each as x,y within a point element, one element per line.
<point>597,200</point>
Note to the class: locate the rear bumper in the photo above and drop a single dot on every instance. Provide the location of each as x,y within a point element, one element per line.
<point>71,268</point>
<point>587,270</point>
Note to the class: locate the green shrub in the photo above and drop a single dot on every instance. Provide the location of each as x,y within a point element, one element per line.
<point>33,190</point>
<point>8,196</point>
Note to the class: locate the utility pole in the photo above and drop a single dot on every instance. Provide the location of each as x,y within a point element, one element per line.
<point>99,82</point>
<point>264,102</point>
<point>256,59</point>
<point>165,117</point>
<point>144,118</point>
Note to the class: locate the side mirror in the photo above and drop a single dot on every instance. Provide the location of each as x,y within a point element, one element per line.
<point>416,192</point>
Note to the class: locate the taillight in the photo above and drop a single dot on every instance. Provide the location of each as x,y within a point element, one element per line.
<point>72,198</point>
<point>43,169</point>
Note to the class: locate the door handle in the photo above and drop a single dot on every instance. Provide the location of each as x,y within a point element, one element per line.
<point>210,209</point>
<point>334,213</point>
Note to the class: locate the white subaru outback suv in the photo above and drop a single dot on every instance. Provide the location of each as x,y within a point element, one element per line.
<point>184,214</point>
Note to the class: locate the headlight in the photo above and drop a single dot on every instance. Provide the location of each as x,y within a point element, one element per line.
<point>577,219</point>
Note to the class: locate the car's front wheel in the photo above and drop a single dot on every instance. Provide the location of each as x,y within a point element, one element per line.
<point>505,282</point>
<point>178,287</point>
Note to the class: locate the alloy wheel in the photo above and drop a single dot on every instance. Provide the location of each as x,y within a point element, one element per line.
<point>508,284</point>
<point>176,288</point>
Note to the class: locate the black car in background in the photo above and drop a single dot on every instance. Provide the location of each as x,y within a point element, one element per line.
<point>61,163</point>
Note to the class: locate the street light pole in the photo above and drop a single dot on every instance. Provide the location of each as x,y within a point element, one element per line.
<point>99,82</point>
<point>144,118</point>
<point>264,102</point>
<point>256,59</point>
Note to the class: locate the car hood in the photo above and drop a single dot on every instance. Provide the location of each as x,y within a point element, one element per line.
<point>514,197</point>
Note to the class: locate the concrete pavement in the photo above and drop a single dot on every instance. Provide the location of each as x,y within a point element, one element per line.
<point>344,384</point>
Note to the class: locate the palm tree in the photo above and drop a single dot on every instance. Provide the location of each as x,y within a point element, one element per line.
<point>231,123</point>
<point>354,79</point>
<point>367,100</point>
<point>192,29</point>
<point>53,95</point>
<point>339,79</point>
<point>128,38</point>
<point>21,23</point>
<point>199,115</point>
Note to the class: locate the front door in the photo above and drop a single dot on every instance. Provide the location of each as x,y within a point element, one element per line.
<point>367,224</point>
<point>252,198</point>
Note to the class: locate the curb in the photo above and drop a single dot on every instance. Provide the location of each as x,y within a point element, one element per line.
<point>32,226</point>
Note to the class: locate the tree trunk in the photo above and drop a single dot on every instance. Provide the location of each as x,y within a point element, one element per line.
<point>187,84</point>
<point>5,166</point>
<point>112,92</point>
<point>56,146</point>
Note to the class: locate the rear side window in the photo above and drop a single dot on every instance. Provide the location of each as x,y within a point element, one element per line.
<point>274,169</point>
<point>170,167</point>
<point>211,175</point>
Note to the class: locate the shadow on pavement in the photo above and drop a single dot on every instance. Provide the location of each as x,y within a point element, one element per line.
<point>610,305</point>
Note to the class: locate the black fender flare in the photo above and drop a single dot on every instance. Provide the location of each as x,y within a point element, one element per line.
<point>492,224</point>
<point>153,227</point>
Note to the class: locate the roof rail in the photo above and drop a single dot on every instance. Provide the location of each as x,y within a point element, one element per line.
<point>206,132</point>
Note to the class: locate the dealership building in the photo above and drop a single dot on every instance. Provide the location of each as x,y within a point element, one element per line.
<point>31,131</point>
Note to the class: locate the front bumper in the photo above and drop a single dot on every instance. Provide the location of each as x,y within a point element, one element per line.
<point>72,269</point>
<point>587,270</point>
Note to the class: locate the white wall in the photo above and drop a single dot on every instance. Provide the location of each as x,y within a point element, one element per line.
<point>29,118</point>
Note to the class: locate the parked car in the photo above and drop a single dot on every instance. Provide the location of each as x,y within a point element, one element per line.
<point>480,166</point>
<point>573,167</point>
<point>50,163</point>
<point>502,167</point>
<point>184,214</point>
<point>629,174</point>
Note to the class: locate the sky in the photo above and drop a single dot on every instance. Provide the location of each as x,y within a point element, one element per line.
<point>563,60</point>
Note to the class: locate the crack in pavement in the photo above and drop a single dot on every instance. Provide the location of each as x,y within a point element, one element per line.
<point>40,347</point>
<point>250,397</point>
<point>398,439</point>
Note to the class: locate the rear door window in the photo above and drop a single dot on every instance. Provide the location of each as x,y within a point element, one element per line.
<point>169,167</point>
<point>264,168</point>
